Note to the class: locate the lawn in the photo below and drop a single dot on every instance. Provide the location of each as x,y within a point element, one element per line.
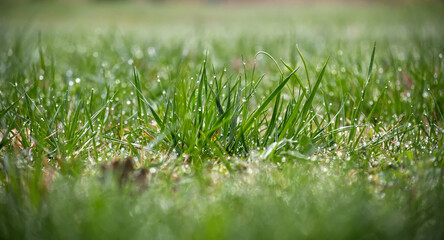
<point>161,121</point>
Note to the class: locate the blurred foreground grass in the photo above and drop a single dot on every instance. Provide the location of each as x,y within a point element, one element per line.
<point>174,87</point>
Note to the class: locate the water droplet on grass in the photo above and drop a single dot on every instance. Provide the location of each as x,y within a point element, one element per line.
<point>151,51</point>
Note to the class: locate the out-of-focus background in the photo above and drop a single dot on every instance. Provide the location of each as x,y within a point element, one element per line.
<point>239,27</point>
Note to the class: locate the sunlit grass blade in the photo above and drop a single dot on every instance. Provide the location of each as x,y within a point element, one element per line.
<point>357,113</point>
<point>308,103</point>
<point>155,115</point>
<point>264,104</point>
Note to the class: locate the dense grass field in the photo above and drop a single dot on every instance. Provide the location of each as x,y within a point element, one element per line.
<point>131,121</point>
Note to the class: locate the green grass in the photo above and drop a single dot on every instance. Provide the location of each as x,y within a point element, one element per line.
<point>303,121</point>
